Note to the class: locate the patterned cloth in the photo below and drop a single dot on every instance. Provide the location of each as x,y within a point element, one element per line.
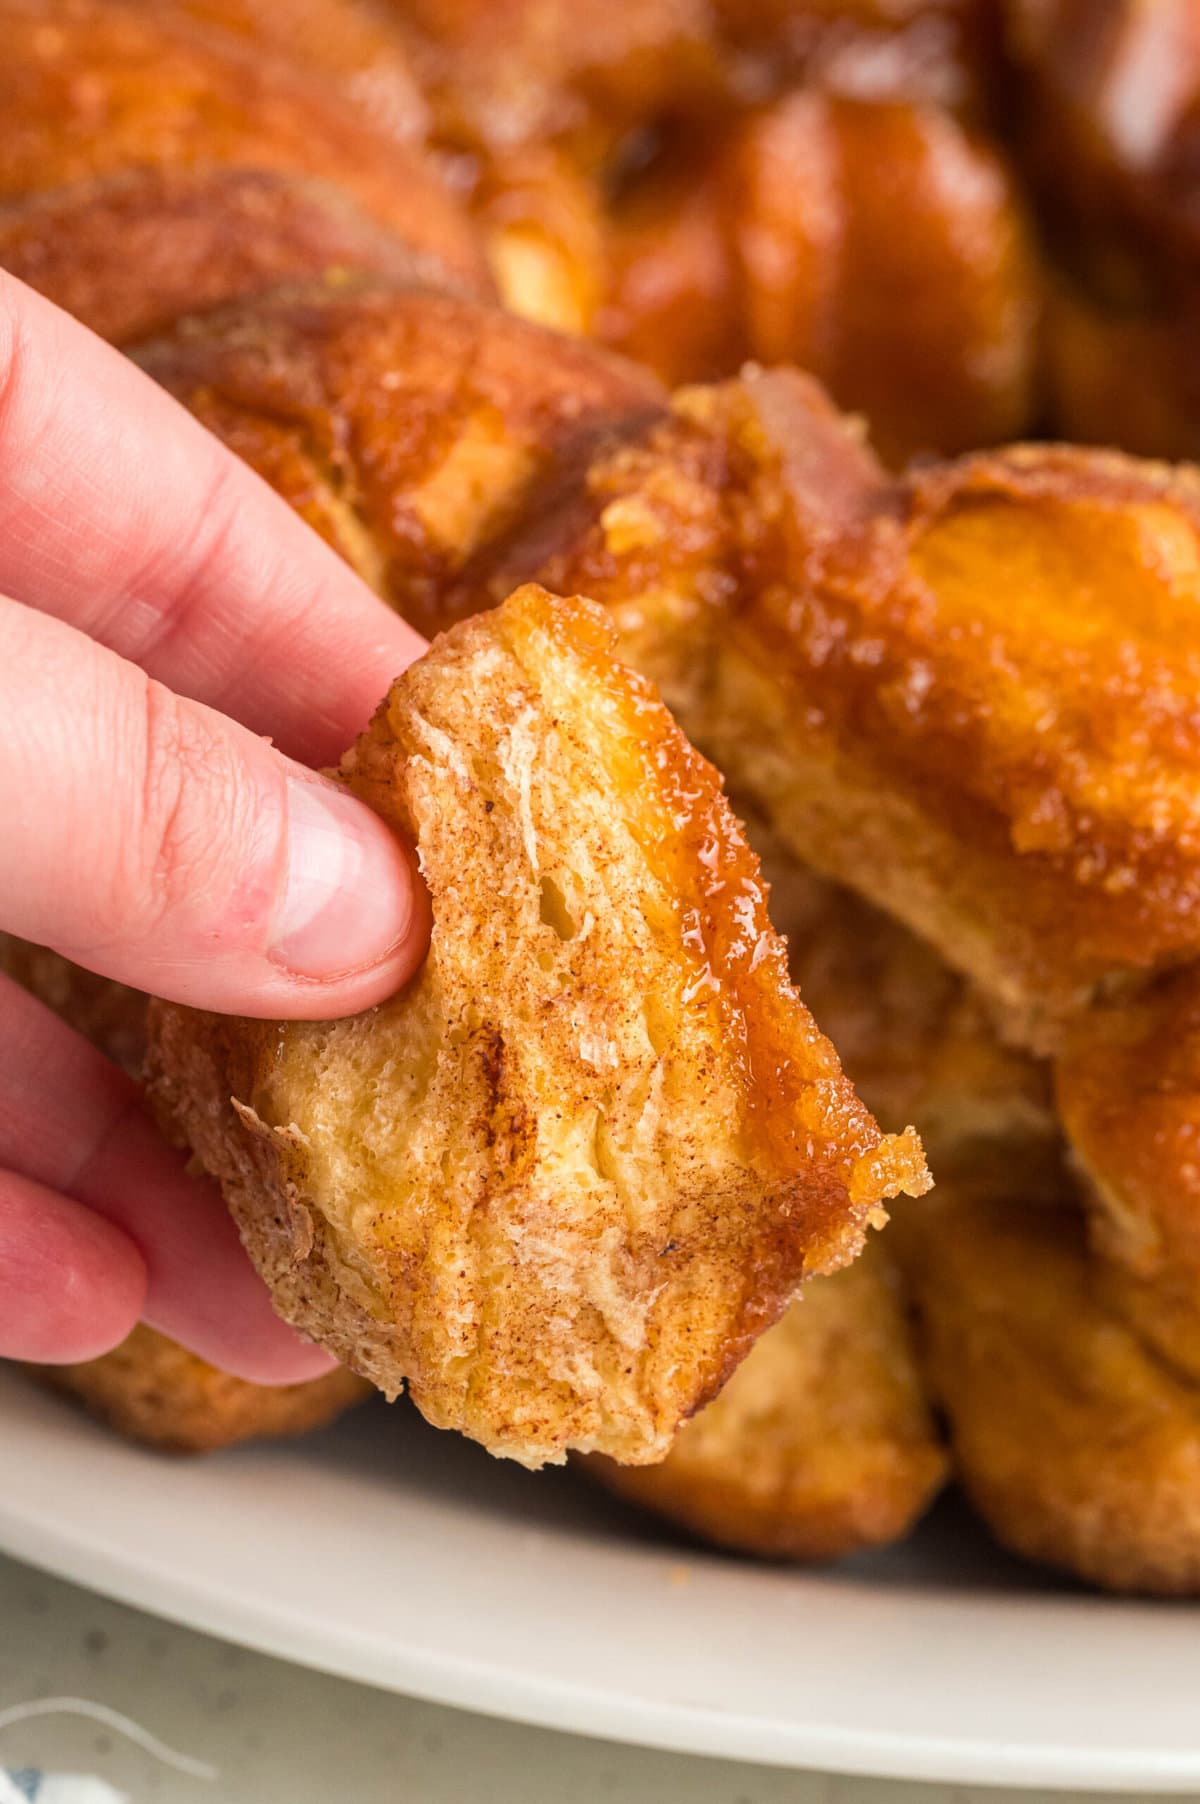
<point>28,1786</point>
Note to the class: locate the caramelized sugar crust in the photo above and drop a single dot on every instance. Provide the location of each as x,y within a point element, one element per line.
<point>354,45</point>
<point>498,1187</point>
<point>91,88</point>
<point>151,1390</point>
<point>777,243</point>
<point>409,428</point>
<point>131,253</point>
<point>971,694</point>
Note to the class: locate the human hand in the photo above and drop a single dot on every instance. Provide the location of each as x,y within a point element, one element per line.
<point>160,608</point>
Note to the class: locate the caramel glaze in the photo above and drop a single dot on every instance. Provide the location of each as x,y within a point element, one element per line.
<point>1011,646</point>
<point>90,89</point>
<point>130,253</point>
<point>803,1121</point>
<point>944,51</point>
<point>409,428</point>
<point>778,244</point>
<point>987,674</point>
<point>352,44</point>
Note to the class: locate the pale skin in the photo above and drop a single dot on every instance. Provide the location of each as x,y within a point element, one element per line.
<point>178,655</point>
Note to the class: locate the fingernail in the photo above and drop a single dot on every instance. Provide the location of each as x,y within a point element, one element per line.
<point>348,902</point>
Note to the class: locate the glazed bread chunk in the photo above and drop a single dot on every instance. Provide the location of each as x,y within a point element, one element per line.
<point>92,89</point>
<point>970,694</point>
<point>562,1181</point>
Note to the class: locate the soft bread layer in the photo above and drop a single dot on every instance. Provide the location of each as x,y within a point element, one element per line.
<point>562,1181</point>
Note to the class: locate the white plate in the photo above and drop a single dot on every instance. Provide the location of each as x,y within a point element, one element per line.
<point>388,1553</point>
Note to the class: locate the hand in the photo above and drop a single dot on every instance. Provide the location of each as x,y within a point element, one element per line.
<point>160,609</point>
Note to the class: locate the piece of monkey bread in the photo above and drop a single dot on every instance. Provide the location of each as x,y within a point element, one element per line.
<point>561,1181</point>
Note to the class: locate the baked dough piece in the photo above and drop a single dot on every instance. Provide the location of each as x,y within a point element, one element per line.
<point>1078,1444</point>
<point>776,240</point>
<point>91,89</point>
<point>409,428</point>
<point>969,694</point>
<point>822,1442</point>
<point>152,1390</point>
<point>563,1180</point>
<point>131,252</point>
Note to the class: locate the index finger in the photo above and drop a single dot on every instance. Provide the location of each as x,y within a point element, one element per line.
<point>121,515</point>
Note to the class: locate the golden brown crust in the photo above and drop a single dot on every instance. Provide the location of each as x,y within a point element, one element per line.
<point>409,428</point>
<point>1026,716</point>
<point>151,1390</point>
<point>969,694</point>
<point>944,51</point>
<point>536,1229</point>
<point>132,252</point>
<point>820,1444</point>
<point>1077,1445</point>
<point>515,72</point>
<point>91,88</point>
<point>544,225</point>
<point>353,45</point>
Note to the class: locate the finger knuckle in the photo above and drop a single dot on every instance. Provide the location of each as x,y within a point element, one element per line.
<point>189,808</point>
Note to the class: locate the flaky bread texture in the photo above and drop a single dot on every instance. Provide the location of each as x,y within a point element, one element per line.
<point>150,1389</point>
<point>562,1180</point>
<point>410,429</point>
<point>822,1442</point>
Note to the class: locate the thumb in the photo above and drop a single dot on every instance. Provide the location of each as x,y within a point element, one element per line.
<point>155,841</point>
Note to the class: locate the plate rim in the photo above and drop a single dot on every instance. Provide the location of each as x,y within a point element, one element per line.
<point>152,1579</point>
<point>482,1688</point>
